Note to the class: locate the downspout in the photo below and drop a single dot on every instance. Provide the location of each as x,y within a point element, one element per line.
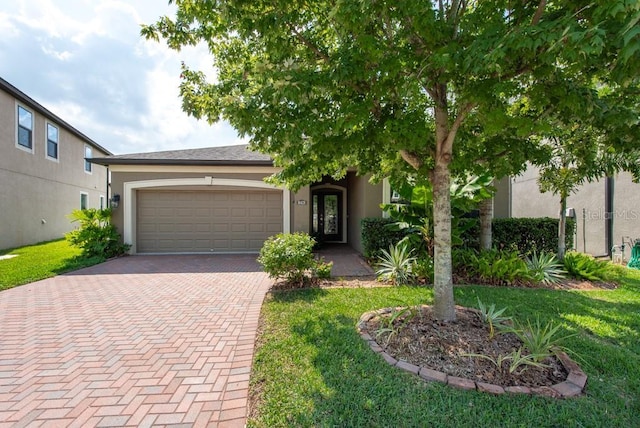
<point>608,196</point>
<point>108,201</point>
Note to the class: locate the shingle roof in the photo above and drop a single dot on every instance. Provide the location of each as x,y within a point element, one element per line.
<point>226,155</point>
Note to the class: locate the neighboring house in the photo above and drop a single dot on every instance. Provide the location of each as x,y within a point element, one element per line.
<point>606,212</point>
<point>44,174</point>
<point>215,200</point>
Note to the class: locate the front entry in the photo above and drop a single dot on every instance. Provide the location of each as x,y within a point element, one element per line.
<point>326,215</point>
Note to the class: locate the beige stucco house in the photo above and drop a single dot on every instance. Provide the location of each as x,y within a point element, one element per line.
<point>43,171</point>
<point>606,211</point>
<point>215,200</point>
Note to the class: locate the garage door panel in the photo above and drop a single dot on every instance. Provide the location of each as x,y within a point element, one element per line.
<point>239,212</point>
<point>206,221</point>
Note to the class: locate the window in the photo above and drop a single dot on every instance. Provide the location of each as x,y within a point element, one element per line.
<point>25,128</point>
<point>84,201</point>
<point>102,202</point>
<point>52,141</point>
<point>87,156</point>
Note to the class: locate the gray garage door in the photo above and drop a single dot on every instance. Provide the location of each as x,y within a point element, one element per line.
<point>206,221</point>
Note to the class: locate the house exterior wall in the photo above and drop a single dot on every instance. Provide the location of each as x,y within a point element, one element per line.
<point>502,198</point>
<point>589,205</point>
<point>363,198</point>
<point>364,201</point>
<point>37,192</point>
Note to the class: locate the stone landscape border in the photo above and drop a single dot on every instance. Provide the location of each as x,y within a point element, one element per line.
<point>571,387</point>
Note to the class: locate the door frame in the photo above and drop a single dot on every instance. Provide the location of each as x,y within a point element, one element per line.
<point>331,187</point>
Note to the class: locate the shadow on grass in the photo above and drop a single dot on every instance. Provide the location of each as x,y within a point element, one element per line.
<point>77,262</point>
<point>352,386</point>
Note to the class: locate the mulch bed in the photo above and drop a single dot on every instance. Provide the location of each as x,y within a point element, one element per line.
<point>444,347</point>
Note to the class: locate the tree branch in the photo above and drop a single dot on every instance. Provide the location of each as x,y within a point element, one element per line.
<point>538,15</point>
<point>412,159</point>
<point>307,43</point>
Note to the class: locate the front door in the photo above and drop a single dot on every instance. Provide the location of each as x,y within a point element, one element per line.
<point>326,213</point>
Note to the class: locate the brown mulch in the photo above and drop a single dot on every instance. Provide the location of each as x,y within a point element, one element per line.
<point>425,342</point>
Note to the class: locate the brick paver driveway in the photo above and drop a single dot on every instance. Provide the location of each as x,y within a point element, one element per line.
<point>137,341</point>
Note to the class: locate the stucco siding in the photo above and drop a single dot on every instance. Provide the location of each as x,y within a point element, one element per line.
<point>364,201</point>
<point>589,206</point>
<point>37,193</point>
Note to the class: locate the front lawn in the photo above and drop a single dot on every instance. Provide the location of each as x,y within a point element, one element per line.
<point>40,261</point>
<point>312,368</point>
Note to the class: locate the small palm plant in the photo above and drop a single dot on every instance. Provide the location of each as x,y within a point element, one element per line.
<point>546,268</point>
<point>492,316</point>
<point>541,340</point>
<point>396,265</point>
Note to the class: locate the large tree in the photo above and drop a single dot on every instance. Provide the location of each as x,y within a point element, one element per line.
<point>327,85</point>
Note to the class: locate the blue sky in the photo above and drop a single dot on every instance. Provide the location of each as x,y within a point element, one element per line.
<point>85,61</point>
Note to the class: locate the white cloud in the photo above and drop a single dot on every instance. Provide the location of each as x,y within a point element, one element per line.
<point>86,62</point>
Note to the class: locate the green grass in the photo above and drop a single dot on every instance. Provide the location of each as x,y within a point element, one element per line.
<point>311,367</point>
<point>40,261</point>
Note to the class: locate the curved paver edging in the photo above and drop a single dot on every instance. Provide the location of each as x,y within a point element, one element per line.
<point>571,387</point>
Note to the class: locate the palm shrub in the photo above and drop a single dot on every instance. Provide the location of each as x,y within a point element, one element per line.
<point>541,340</point>
<point>545,268</point>
<point>492,317</point>
<point>396,265</point>
<point>491,267</point>
<point>585,266</point>
<point>288,256</point>
<point>95,236</point>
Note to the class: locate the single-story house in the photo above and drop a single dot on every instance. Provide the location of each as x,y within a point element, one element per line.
<point>215,200</point>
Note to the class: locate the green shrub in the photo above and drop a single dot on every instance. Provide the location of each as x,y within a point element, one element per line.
<point>585,266</point>
<point>288,256</point>
<point>529,235</point>
<point>322,269</point>
<point>377,235</point>
<point>423,269</point>
<point>490,267</point>
<point>96,236</point>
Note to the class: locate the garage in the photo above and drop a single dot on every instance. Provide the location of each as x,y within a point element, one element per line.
<point>230,220</point>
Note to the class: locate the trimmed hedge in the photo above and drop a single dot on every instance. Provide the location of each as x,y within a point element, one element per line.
<point>527,235</point>
<point>377,235</point>
<point>524,235</point>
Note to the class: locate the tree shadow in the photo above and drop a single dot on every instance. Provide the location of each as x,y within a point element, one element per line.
<point>360,389</point>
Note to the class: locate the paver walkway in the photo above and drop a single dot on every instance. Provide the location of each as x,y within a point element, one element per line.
<point>137,341</point>
<point>347,262</point>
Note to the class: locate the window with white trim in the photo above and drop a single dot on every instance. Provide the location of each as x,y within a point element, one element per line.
<point>84,201</point>
<point>53,138</point>
<point>87,156</point>
<point>24,132</point>
<point>102,202</point>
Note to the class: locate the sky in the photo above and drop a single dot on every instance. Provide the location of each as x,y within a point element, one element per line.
<point>85,61</point>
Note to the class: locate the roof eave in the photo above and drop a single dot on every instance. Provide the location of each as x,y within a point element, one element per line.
<point>193,162</point>
<point>27,100</point>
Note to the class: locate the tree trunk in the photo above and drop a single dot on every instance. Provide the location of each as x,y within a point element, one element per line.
<point>486,218</point>
<point>444,307</point>
<point>562,228</point>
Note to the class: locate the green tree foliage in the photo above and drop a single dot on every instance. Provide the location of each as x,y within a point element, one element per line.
<point>323,86</point>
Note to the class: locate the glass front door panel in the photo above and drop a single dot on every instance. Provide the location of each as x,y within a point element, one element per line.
<point>314,214</point>
<point>330,214</point>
